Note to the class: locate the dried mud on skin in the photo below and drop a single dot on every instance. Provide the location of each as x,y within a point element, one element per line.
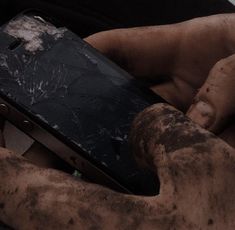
<point>195,170</point>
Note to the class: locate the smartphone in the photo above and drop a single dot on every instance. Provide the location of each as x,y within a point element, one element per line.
<point>67,96</point>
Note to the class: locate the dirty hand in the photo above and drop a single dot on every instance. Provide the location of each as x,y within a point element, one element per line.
<point>194,58</point>
<point>196,170</point>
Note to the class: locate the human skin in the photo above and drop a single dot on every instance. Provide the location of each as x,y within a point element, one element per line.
<point>196,168</point>
<point>196,177</point>
<point>195,58</point>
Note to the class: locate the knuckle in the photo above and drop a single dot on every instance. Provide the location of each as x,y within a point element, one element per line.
<point>225,66</point>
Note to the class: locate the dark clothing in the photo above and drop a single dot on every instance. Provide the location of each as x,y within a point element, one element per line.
<point>89,16</point>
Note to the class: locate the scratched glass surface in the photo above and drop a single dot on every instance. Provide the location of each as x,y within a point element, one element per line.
<point>64,84</point>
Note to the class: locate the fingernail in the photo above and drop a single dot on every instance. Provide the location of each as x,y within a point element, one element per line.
<point>202,113</point>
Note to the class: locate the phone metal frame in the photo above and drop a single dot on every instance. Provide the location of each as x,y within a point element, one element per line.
<point>41,135</point>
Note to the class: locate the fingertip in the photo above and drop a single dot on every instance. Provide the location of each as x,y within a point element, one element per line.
<point>202,113</point>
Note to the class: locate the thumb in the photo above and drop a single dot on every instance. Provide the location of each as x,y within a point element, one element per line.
<point>176,149</point>
<point>215,102</point>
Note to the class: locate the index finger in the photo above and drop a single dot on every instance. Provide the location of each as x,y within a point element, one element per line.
<point>140,50</point>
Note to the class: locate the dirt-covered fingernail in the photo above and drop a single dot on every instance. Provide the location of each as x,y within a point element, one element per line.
<point>202,113</point>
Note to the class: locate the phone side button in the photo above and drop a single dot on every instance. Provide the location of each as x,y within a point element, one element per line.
<point>4,110</point>
<point>27,126</point>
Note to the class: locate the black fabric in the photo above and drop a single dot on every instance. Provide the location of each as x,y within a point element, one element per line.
<point>89,16</point>
<point>4,227</point>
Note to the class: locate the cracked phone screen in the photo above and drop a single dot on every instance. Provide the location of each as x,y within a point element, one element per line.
<point>58,79</point>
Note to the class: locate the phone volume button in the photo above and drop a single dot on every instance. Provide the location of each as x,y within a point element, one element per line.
<point>4,110</point>
<point>27,126</point>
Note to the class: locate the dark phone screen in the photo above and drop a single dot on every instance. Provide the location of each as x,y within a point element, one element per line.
<point>76,94</point>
